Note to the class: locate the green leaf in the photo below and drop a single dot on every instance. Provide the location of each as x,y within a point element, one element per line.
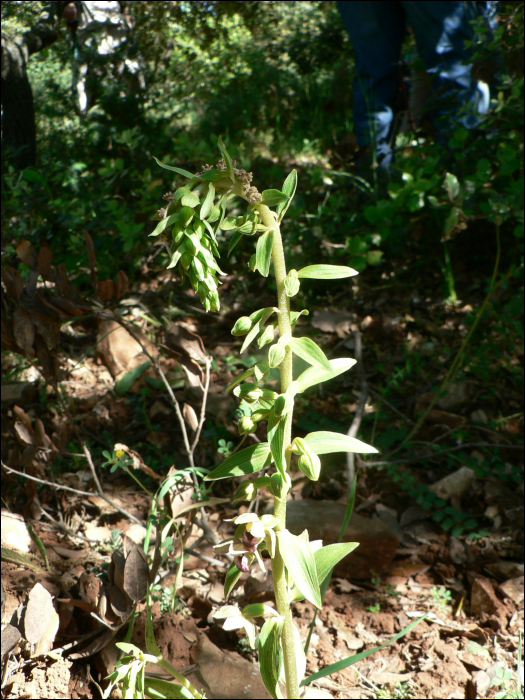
<point>190,199</point>
<point>326,272</point>
<point>289,187</point>
<point>271,654</point>
<point>300,562</point>
<point>126,382</point>
<point>291,283</point>
<point>452,186</point>
<point>247,461</point>
<point>208,202</point>
<point>232,576</point>
<point>234,240</point>
<point>251,336</point>
<point>163,223</point>
<point>185,216</point>
<point>276,440</point>
<point>344,663</point>
<point>211,175</point>
<point>174,259</point>
<point>160,688</point>
<point>273,197</point>
<point>316,375</point>
<point>264,252</point>
<point>327,557</point>
<point>227,159</point>
<point>325,442</point>
<point>228,223</point>
<point>309,351</point>
<point>244,375</point>
<point>179,171</point>
<point>294,315</point>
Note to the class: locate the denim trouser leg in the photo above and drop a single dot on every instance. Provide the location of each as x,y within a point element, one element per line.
<point>376,30</point>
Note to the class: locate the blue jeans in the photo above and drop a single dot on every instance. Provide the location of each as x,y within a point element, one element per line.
<point>376,30</point>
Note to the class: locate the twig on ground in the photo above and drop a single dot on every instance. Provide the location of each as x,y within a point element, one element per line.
<point>352,431</point>
<point>69,488</point>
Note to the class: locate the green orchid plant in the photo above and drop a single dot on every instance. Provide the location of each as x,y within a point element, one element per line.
<point>188,227</point>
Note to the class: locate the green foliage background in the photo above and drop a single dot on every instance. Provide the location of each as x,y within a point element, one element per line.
<point>274,79</point>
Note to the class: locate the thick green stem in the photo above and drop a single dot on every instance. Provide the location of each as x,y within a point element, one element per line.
<point>269,219</point>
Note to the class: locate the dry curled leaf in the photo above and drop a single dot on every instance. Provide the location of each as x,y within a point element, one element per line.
<point>106,289</point>
<point>190,416</point>
<point>45,259</point>
<point>26,252</point>
<point>23,329</point>
<point>121,284</point>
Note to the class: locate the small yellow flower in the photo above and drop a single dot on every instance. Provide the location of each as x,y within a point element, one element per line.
<point>120,453</point>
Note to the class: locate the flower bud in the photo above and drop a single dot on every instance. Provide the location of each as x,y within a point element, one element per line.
<point>299,446</point>
<point>291,283</point>
<point>246,425</point>
<point>242,326</point>
<point>310,464</point>
<point>246,491</point>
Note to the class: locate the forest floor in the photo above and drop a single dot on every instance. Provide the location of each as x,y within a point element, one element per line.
<point>466,578</point>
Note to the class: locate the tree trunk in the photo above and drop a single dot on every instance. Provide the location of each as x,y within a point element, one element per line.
<point>18,120</point>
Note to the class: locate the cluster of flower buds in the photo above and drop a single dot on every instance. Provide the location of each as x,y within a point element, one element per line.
<point>193,246</point>
<point>258,401</point>
<point>251,535</point>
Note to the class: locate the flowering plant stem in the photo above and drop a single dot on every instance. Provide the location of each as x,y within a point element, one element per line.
<point>300,568</point>
<point>279,506</point>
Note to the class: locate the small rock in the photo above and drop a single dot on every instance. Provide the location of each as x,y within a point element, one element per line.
<point>482,597</point>
<point>455,484</point>
<point>513,589</point>
<point>479,416</point>
<point>457,551</point>
<point>322,519</point>
<point>482,681</point>
<point>225,674</point>
<point>19,393</point>
<point>98,534</point>
<point>503,570</point>
<point>15,534</point>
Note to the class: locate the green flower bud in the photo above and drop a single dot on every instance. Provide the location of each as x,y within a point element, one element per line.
<point>276,354</point>
<point>246,491</point>
<point>300,446</point>
<point>310,464</point>
<point>267,336</point>
<point>242,326</point>
<point>246,425</point>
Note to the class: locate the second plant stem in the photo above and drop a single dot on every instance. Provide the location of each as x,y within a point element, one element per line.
<point>285,368</point>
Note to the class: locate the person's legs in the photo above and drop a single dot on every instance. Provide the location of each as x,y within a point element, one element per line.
<point>440,30</point>
<point>376,31</point>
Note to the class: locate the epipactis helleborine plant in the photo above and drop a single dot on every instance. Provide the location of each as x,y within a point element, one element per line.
<point>188,226</point>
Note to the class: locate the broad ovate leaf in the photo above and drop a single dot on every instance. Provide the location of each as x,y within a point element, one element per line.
<point>247,461</point>
<point>273,197</point>
<point>300,562</point>
<point>309,351</point>
<point>316,375</point>
<point>263,252</point>
<point>327,557</point>
<point>324,442</point>
<point>326,272</point>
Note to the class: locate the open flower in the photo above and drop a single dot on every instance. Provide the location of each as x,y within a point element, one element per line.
<point>236,619</point>
<point>251,531</point>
